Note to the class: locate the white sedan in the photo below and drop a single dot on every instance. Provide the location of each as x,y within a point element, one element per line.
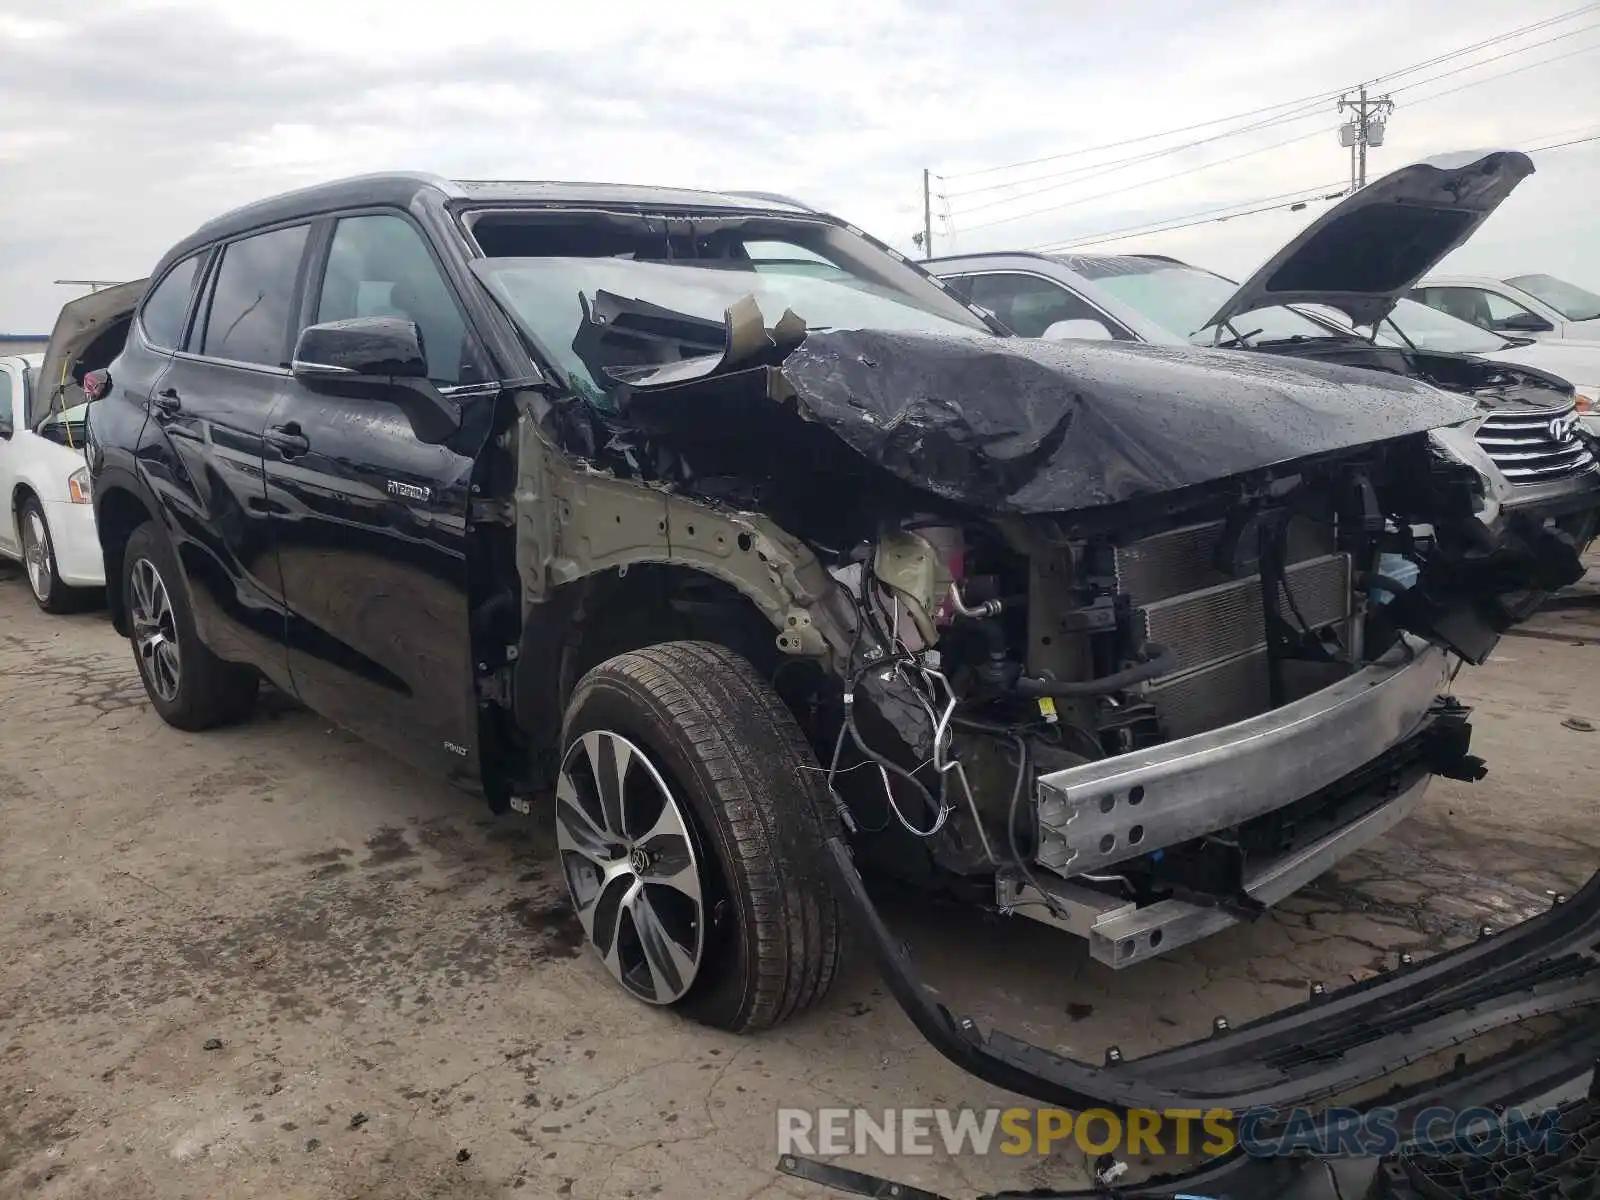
<point>1539,306</point>
<point>48,521</point>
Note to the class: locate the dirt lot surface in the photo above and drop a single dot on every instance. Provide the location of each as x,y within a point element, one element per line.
<point>271,962</point>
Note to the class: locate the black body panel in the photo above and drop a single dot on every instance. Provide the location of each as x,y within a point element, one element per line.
<point>370,529</point>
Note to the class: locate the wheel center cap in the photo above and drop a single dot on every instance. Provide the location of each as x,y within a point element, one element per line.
<point>638,860</point>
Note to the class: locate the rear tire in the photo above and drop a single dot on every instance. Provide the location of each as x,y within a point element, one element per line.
<point>716,737</point>
<point>189,687</point>
<point>39,564</point>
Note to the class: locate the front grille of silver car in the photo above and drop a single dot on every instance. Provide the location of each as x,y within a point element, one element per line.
<point>1216,624</point>
<point>1535,447</point>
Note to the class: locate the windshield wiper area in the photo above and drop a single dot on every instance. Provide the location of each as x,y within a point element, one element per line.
<point>1234,341</point>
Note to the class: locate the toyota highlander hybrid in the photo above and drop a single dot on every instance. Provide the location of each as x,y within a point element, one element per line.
<point>739,541</point>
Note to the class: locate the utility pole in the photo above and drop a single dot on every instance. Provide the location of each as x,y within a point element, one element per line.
<point>1364,129</point>
<point>926,241</point>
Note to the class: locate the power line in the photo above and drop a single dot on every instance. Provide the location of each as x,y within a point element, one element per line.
<point>1132,160</point>
<point>1315,98</point>
<point>1318,98</point>
<point>1483,62</point>
<point>1534,27</point>
<point>1594,137</point>
<point>1471,83</point>
<point>1205,216</point>
<point>1148,183</point>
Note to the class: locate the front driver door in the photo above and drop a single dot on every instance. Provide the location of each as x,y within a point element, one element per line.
<point>370,523</point>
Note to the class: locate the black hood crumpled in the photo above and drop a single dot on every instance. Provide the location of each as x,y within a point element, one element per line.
<point>1031,426</point>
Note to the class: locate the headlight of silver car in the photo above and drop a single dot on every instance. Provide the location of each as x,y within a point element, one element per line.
<point>78,487</point>
<point>1458,442</point>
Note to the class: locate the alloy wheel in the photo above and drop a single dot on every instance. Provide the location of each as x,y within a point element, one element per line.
<point>36,554</point>
<point>155,630</point>
<point>631,866</point>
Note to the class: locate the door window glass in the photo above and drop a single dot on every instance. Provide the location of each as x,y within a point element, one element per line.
<point>1028,305</point>
<point>8,395</point>
<point>166,307</point>
<point>379,266</point>
<point>252,297</point>
<point>1480,307</point>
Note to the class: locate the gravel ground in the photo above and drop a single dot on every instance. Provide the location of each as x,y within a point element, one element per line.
<point>272,962</point>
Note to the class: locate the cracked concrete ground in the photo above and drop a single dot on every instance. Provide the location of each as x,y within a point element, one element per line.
<point>272,962</point>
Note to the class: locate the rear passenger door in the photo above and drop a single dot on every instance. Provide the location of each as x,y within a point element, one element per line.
<point>211,406</point>
<point>370,523</point>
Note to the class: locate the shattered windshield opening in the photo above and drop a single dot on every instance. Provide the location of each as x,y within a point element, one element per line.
<point>654,291</point>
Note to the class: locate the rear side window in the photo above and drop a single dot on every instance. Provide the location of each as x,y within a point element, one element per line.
<point>252,298</point>
<point>166,307</point>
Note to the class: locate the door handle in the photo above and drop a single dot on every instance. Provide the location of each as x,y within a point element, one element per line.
<point>167,402</point>
<point>288,439</point>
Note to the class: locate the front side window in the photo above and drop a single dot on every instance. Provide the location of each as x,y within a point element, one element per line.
<point>1479,306</point>
<point>1572,302</point>
<point>379,266</point>
<point>1028,305</point>
<point>252,298</point>
<point>167,305</point>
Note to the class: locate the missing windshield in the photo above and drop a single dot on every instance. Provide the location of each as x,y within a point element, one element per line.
<point>601,293</point>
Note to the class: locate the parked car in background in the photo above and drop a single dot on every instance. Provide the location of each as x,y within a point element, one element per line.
<point>1540,306</point>
<point>1357,260</point>
<point>48,520</point>
<point>1413,324</point>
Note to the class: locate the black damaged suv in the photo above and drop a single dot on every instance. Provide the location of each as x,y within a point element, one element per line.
<point>670,510</point>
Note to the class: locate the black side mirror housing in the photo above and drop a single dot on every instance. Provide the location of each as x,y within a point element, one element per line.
<point>1523,322</point>
<point>376,358</point>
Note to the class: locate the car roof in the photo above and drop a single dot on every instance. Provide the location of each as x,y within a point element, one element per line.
<point>401,188</point>
<point>1462,280</point>
<point>27,360</point>
<point>1071,262</point>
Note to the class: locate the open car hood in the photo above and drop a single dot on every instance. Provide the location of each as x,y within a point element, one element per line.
<point>78,324</point>
<point>1367,251</point>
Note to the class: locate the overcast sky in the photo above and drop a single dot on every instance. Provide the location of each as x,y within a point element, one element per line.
<point>128,122</point>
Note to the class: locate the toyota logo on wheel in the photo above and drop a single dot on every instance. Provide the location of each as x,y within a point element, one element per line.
<point>1563,428</point>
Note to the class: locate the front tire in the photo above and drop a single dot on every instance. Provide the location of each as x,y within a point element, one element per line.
<point>189,687</point>
<point>690,816</point>
<point>39,562</point>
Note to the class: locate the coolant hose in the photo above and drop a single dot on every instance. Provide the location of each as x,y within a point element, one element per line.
<point>1156,660</point>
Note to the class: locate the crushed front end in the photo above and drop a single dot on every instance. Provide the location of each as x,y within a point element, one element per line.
<point>1132,640</point>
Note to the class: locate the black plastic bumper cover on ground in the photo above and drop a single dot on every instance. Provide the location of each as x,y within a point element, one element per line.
<point>1313,1052</point>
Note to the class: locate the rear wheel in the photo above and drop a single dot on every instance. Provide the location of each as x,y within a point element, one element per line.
<point>39,560</point>
<point>189,687</point>
<point>690,817</point>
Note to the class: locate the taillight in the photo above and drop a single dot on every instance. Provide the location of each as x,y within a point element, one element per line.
<point>96,384</point>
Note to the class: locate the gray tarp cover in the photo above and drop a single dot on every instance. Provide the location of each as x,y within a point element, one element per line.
<point>1025,425</point>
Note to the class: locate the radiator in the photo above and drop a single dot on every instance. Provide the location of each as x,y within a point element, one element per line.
<point>1216,625</point>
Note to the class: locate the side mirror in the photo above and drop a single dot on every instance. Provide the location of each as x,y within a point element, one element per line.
<point>376,358</point>
<point>390,346</point>
<point>1523,322</point>
<point>1080,328</point>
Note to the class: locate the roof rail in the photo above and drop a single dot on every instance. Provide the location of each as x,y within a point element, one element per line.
<point>774,198</point>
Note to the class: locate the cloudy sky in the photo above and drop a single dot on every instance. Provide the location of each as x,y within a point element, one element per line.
<point>127,122</point>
